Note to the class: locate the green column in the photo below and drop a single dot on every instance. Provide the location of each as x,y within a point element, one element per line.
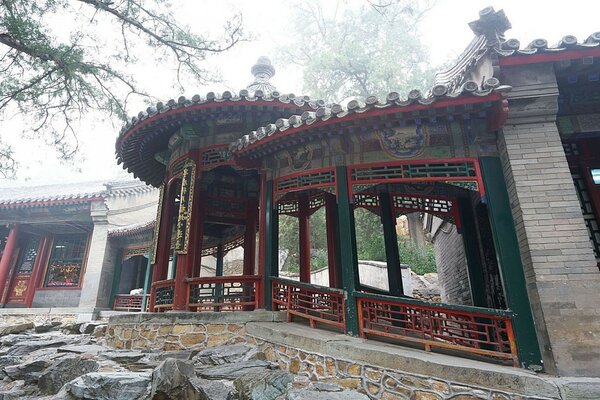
<point>472,253</point>
<point>147,283</point>
<point>219,272</point>
<point>511,266</point>
<point>271,244</point>
<point>392,255</point>
<point>116,277</point>
<point>349,258</point>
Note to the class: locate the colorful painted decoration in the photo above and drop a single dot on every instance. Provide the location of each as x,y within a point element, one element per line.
<point>403,142</point>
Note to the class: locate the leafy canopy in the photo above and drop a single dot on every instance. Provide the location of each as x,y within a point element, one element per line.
<point>346,50</point>
<point>61,59</point>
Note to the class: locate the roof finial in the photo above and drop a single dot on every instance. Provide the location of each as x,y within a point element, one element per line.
<point>492,24</point>
<point>262,71</point>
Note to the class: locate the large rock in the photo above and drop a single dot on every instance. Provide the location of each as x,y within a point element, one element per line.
<point>233,371</point>
<point>63,371</point>
<point>171,381</point>
<point>213,390</point>
<point>110,386</point>
<point>265,385</point>
<point>123,356</point>
<point>89,327</point>
<point>15,328</point>
<point>28,371</point>
<point>221,355</point>
<point>46,326</point>
<point>29,346</point>
<point>82,348</point>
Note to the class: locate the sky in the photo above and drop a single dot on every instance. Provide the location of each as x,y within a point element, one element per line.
<point>444,31</point>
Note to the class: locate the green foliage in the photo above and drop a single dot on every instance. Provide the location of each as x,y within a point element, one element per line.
<point>53,73</point>
<point>358,50</point>
<point>369,241</point>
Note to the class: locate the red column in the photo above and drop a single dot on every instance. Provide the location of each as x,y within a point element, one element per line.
<point>40,261</point>
<point>194,255</point>
<point>250,237</point>
<point>262,239</point>
<point>164,242</point>
<point>304,233</point>
<point>332,262</point>
<point>11,243</point>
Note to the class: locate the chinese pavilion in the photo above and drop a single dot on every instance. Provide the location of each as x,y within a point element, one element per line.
<point>504,147</point>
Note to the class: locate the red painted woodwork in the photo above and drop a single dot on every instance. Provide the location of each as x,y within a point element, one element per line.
<point>304,237</point>
<point>250,237</point>
<point>8,257</point>
<point>41,261</point>
<point>124,302</point>
<point>433,326</point>
<point>331,221</point>
<point>161,302</point>
<point>223,293</point>
<point>318,304</point>
<point>160,268</point>
<point>262,231</point>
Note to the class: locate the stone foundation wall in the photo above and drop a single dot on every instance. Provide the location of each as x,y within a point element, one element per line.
<point>376,382</point>
<point>168,337</point>
<point>11,319</point>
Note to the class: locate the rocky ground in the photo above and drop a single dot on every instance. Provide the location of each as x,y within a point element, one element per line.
<point>70,361</point>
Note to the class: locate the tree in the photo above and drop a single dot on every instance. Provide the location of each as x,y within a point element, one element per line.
<point>60,59</point>
<point>348,50</point>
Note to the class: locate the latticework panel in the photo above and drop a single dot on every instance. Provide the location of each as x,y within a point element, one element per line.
<point>296,182</point>
<point>216,156</point>
<point>394,172</point>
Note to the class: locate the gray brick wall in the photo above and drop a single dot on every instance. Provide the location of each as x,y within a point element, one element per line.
<point>451,266</point>
<point>562,278</point>
<point>56,298</point>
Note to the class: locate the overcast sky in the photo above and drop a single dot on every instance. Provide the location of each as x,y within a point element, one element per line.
<point>444,32</point>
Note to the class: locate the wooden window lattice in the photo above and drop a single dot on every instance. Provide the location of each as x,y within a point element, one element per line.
<point>305,181</point>
<point>215,156</point>
<point>412,171</point>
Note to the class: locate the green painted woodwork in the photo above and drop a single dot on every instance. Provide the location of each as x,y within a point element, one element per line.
<point>147,283</point>
<point>219,256</point>
<point>511,266</point>
<point>174,267</point>
<point>116,277</point>
<point>271,244</point>
<point>472,253</point>
<point>392,256</point>
<point>349,258</point>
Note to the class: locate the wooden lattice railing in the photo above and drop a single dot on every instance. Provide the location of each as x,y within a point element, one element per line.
<point>318,304</point>
<point>224,293</point>
<point>466,329</point>
<point>165,291</point>
<point>126,302</point>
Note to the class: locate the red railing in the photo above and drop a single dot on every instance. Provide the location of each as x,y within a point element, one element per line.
<point>224,293</point>
<point>126,302</point>
<point>466,329</point>
<point>165,291</point>
<point>318,304</point>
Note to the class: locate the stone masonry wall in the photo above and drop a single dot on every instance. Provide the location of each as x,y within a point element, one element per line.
<point>560,268</point>
<point>169,337</point>
<point>451,266</point>
<point>376,382</point>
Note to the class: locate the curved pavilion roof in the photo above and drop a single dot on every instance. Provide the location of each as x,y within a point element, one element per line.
<point>149,132</point>
<point>456,89</point>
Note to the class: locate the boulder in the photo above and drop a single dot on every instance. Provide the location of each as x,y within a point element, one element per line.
<point>72,327</point>
<point>29,346</point>
<point>27,371</point>
<point>100,331</point>
<point>221,355</point>
<point>233,371</point>
<point>265,385</point>
<point>63,371</point>
<point>123,356</point>
<point>46,326</point>
<point>82,348</point>
<point>89,327</point>
<point>171,381</point>
<point>15,328</point>
<point>213,390</point>
<point>13,390</point>
<point>110,386</point>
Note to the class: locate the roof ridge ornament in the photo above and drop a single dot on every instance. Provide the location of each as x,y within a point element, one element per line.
<point>492,24</point>
<point>263,70</point>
